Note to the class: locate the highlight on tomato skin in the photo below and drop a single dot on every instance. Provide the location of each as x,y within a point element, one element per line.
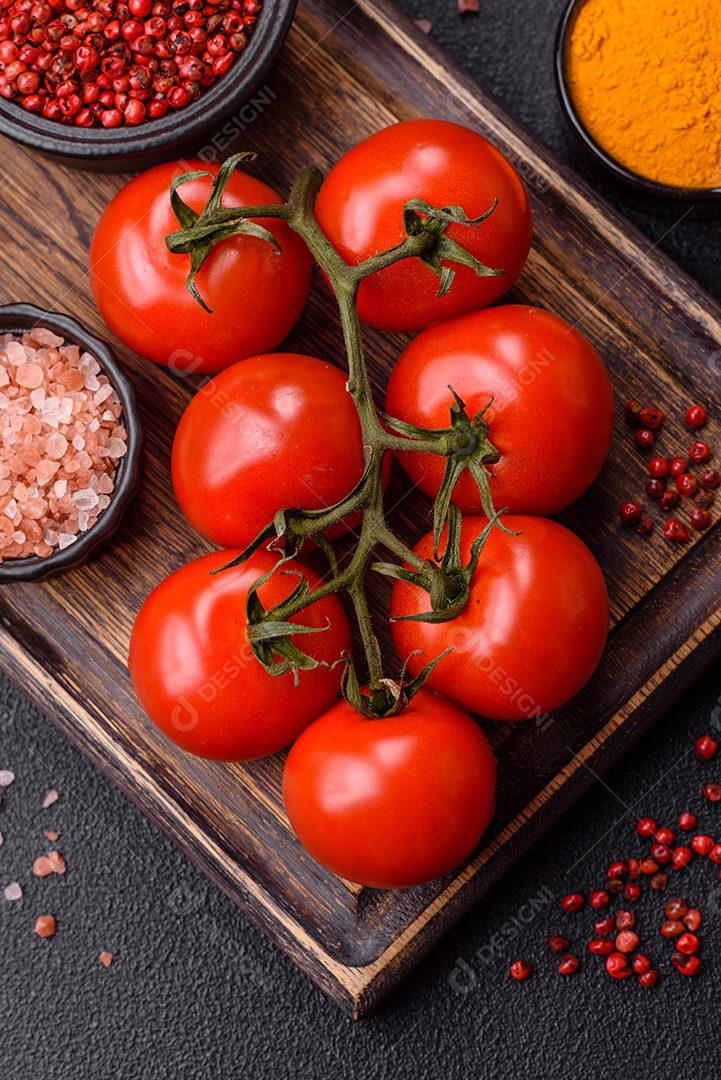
<point>551,413</point>
<point>534,628</point>
<point>395,802</point>
<point>273,431</point>
<point>195,675</point>
<point>139,287</point>
<point>360,209</point>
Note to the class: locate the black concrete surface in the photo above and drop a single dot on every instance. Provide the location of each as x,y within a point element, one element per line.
<point>195,991</point>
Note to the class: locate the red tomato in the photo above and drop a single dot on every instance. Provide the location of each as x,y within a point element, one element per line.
<point>194,672</point>
<point>360,209</point>
<point>139,287</point>
<point>552,414</point>
<point>271,432</point>
<point>395,802</point>
<point>533,630</point>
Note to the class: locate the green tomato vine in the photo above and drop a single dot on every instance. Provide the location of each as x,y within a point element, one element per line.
<point>464,443</point>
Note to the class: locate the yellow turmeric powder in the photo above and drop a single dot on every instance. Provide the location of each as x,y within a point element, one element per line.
<point>645,77</point>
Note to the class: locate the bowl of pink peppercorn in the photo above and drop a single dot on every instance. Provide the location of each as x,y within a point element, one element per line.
<point>70,443</point>
<point>124,84</point>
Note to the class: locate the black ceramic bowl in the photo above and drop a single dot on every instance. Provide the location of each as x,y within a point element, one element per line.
<point>660,192</point>
<point>128,148</point>
<point>16,318</point>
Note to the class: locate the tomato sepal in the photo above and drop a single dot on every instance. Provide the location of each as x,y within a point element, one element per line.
<point>199,233</point>
<point>388,697</point>
<point>420,217</point>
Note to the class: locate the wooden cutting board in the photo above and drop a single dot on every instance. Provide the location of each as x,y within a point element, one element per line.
<point>345,72</point>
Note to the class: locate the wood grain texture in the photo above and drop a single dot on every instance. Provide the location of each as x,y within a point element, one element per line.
<point>345,72</point>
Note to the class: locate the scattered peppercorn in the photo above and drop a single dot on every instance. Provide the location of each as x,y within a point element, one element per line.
<point>558,944</point>
<point>655,489</point>
<point>706,747</point>
<point>644,438</point>
<point>696,417</point>
<point>641,964</point>
<point>569,964</point>
<point>687,821</point>
<point>681,857</point>
<point>627,941</point>
<point>599,899</point>
<point>659,882</point>
<point>645,526</point>
<point>669,500</point>
<point>692,920</point>
<point>675,909</point>
<point>604,927</point>
<point>688,944</point>
<point>677,532</point>
<point>630,513</point>
<point>677,466</point>
<point>617,966</point>
<point>699,452</point>
<point>711,479</point>
<point>601,946</point>
<point>520,970</point>
<point>671,928</point>
<point>712,792</point>
<point>687,485</point>
<point>649,978</point>
<point>648,866</point>
<point>715,853</point>
<point>658,468</point>
<point>703,845</point>
<point>686,965</point>
<point>572,902</point>
<point>650,418</point>
<point>625,920</point>
<point>631,412</point>
<point>646,827</point>
<point>661,853</point>
<point>631,892</point>
<point>700,519</point>
<point>665,836</point>
<point>617,870</point>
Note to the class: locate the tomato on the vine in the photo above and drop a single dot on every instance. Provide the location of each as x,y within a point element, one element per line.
<point>551,417</point>
<point>360,209</point>
<point>256,294</point>
<point>532,632</point>
<point>391,802</point>
<point>194,672</point>
<point>269,433</point>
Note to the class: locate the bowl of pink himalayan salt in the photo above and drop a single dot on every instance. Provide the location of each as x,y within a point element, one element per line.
<point>70,443</point>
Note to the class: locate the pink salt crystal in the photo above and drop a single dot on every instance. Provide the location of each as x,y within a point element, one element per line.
<point>72,379</point>
<point>117,448</point>
<point>35,509</point>
<point>42,550</point>
<point>13,891</point>
<point>45,471</point>
<point>6,777</point>
<point>65,540</point>
<point>51,836</point>
<point>106,959</point>
<point>30,375</point>
<point>20,492</point>
<point>40,335</point>
<point>50,798</point>
<point>4,377</point>
<point>15,353</point>
<point>57,862</point>
<point>32,424</point>
<point>56,446</point>
<point>42,867</point>
<point>60,487</point>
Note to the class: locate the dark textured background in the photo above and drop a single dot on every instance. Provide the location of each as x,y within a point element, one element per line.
<point>196,991</point>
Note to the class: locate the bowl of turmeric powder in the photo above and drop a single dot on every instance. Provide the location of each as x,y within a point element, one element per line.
<point>638,82</point>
